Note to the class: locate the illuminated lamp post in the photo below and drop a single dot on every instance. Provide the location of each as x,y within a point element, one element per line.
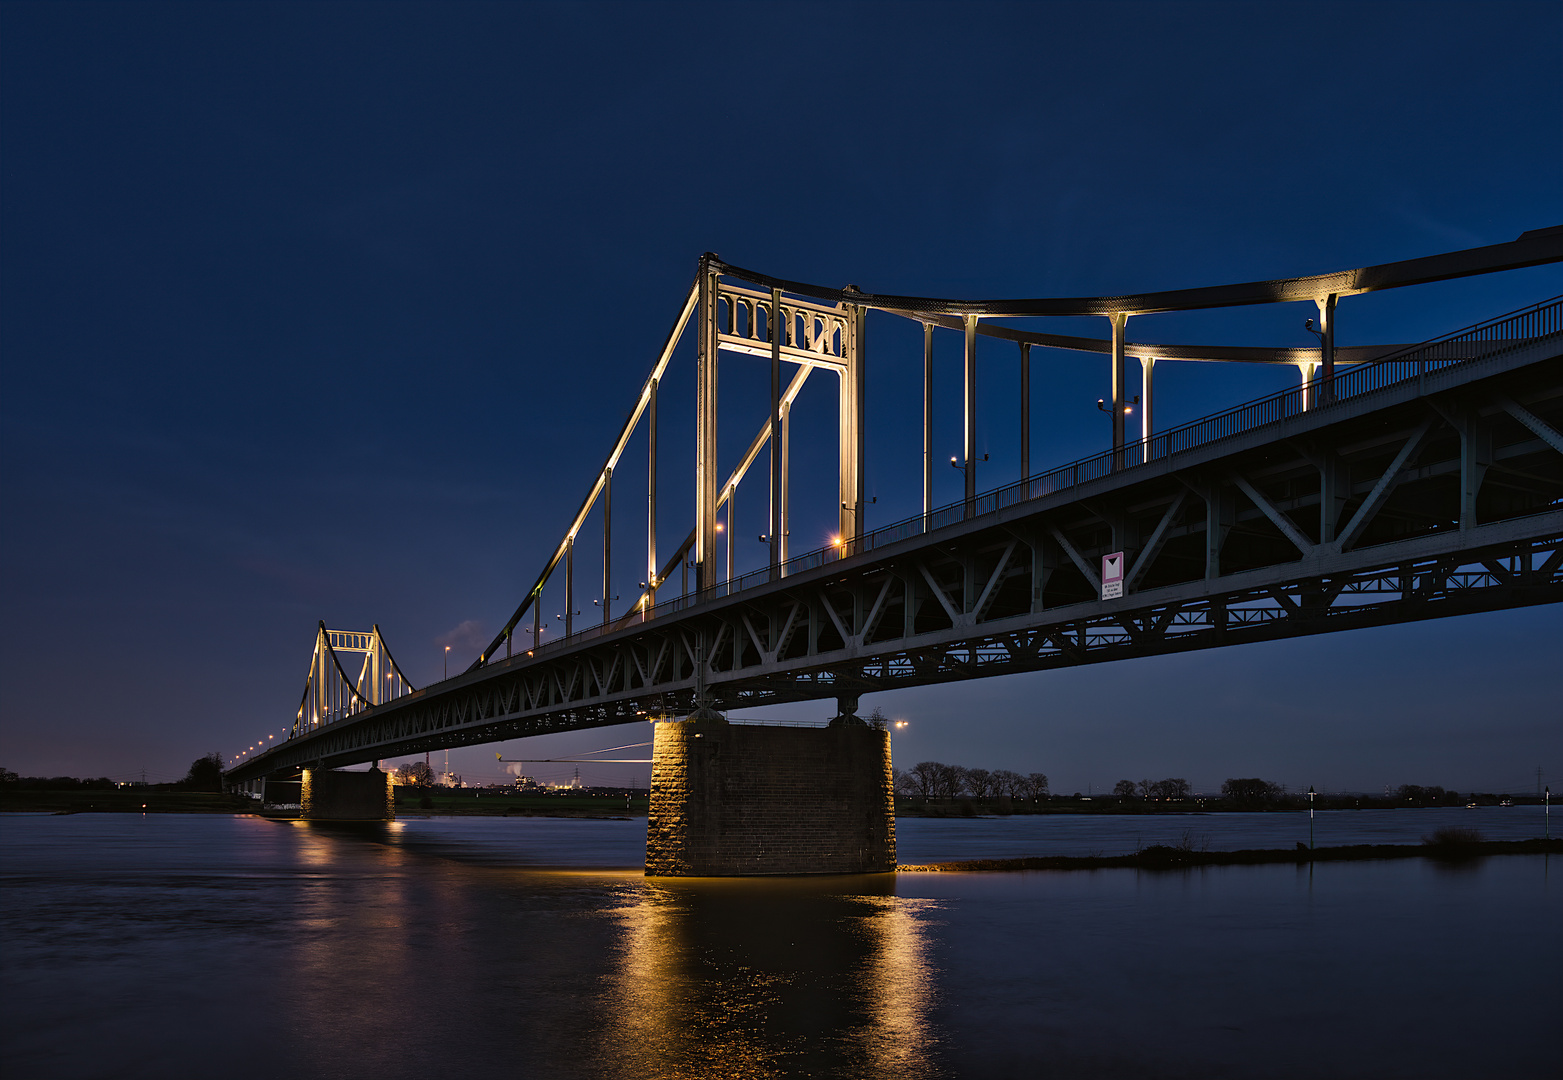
<point>1310,817</point>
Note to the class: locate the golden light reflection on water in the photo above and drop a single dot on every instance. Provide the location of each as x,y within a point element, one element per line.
<point>351,941</point>
<point>756,977</point>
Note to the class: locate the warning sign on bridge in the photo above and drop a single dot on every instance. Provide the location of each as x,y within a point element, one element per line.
<point>1112,576</point>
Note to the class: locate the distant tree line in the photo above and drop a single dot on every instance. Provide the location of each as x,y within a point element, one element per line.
<point>1171,789</point>
<point>206,774</point>
<point>1252,792</point>
<point>936,780</point>
<point>925,780</point>
<point>1417,795</point>
<point>930,780</point>
<point>54,783</point>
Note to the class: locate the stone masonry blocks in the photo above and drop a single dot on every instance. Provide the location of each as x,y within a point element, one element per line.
<point>735,799</point>
<point>328,795</point>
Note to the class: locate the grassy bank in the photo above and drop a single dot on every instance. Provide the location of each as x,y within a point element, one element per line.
<point>123,800</point>
<point>1160,857</point>
<point>963,806</point>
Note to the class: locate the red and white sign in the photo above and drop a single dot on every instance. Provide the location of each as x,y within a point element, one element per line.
<point>1112,576</point>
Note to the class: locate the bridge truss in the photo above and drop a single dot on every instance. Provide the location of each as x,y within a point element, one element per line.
<point>1392,484</point>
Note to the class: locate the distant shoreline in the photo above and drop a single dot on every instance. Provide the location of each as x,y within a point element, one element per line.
<point>1451,848</point>
<point>133,801</point>
<point>1160,857</point>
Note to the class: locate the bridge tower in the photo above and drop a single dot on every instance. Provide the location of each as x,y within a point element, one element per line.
<point>330,696</point>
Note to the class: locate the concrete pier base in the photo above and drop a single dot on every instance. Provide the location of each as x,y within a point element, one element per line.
<point>281,793</point>
<point>737,799</point>
<point>328,795</point>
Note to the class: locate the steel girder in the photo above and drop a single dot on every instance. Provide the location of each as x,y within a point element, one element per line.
<point>1439,498</point>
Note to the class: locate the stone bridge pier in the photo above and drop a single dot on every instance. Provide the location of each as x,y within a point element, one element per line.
<point>738,799</point>
<point>329,795</point>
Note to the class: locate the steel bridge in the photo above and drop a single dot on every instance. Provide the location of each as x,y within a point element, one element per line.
<point>1393,483</point>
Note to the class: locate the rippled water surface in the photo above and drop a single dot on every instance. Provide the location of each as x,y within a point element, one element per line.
<point>168,945</point>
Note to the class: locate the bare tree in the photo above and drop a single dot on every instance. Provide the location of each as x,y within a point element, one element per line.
<point>1124,789</point>
<point>1009,782</point>
<point>415,774</point>
<point>924,778</point>
<point>980,783</point>
<point>902,783</point>
<point>952,781</point>
<point>1036,786</point>
<point>1146,791</point>
<point>1172,788</point>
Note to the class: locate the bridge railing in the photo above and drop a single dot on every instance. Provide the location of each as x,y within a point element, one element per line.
<point>1483,341</point>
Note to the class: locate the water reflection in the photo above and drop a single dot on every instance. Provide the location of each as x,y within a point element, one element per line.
<point>352,939</point>
<point>152,947</point>
<point>755,978</point>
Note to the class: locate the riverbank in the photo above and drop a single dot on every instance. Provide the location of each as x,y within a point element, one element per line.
<point>464,804</point>
<point>130,800</point>
<point>144,800</point>
<point>1163,857</point>
<point>486,802</point>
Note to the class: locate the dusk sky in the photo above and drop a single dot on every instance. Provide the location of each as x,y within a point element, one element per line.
<point>330,311</point>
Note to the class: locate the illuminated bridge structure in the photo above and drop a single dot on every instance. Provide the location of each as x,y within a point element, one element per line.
<point>1392,484</point>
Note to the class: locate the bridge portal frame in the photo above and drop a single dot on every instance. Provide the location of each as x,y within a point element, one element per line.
<point>331,695</point>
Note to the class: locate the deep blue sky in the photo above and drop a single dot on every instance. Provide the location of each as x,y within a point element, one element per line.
<point>331,310</point>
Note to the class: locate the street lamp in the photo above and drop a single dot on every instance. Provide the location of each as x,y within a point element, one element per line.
<point>447,661</point>
<point>1310,817</point>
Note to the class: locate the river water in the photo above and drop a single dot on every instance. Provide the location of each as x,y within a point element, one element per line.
<point>166,946</point>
